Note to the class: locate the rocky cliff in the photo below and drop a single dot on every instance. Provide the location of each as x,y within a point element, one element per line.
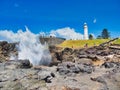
<point>94,68</point>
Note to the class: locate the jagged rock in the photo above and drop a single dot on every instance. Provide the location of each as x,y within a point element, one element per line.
<point>13,64</point>
<point>3,43</point>
<point>67,51</point>
<point>86,68</point>
<point>91,50</point>
<point>56,58</point>
<point>93,57</point>
<point>108,64</point>
<point>45,75</point>
<point>73,75</point>
<point>59,56</point>
<point>6,49</point>
<point>69,67</point>
<point>99,79</point>
<point>81,52</point>
<point>52,49</point>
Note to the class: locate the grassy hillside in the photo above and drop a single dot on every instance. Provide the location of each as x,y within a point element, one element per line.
<point>117,41</point>
<point>82,43</point>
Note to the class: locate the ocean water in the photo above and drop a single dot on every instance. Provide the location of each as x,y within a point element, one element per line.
<point>29,46</point>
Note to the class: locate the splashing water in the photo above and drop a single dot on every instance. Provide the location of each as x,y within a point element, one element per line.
<point>29,46</point>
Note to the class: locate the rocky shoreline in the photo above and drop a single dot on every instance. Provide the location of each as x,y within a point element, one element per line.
<point>94,68</point>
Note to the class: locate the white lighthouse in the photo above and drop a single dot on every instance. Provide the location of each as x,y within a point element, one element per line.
<point>85,31</point>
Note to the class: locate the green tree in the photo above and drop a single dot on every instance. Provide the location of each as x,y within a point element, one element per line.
<point>105,34</point>
<point>91,37</point>
<point>99,37</point>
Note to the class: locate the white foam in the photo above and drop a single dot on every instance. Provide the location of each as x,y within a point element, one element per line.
<point>29,46</point>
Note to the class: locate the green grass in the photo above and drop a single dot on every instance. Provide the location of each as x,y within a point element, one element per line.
<point>117,41</point>
<point>81,43</point>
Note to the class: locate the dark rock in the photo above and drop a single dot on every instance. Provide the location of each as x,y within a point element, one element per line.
<point>108,65</point>
<point>52,74</point>
<point>0,80</point>
<point>64,68</point>
<point>63,71</point>
<point>69,67</point>
<point>15,79</point>
<point>68,58</point>
<point>46,75</point>
<point>67,50</point>
<point>76,51</point>
<point>59,55</point>
<point>25,64</point>
<point>54,63</point>
<point>52,49</point>
<point>56,58</point>
<point>86,68</point>
<point>3,43</point>
<point>75,69</point>
<point>47,79</point>
<point>6,49</point>
<point>104,53</point>
<point>12,64</point>
<point>99,79</point>
<point>91,50</point>
<point>93,57</point>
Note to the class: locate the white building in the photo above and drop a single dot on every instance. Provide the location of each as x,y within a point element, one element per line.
<point>85,31</point>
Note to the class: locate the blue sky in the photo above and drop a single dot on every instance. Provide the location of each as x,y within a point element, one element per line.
<point>47,15</point>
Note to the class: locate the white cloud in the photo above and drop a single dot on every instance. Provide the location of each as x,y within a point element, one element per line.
<point>95,20</point>
<point>67,33</point>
